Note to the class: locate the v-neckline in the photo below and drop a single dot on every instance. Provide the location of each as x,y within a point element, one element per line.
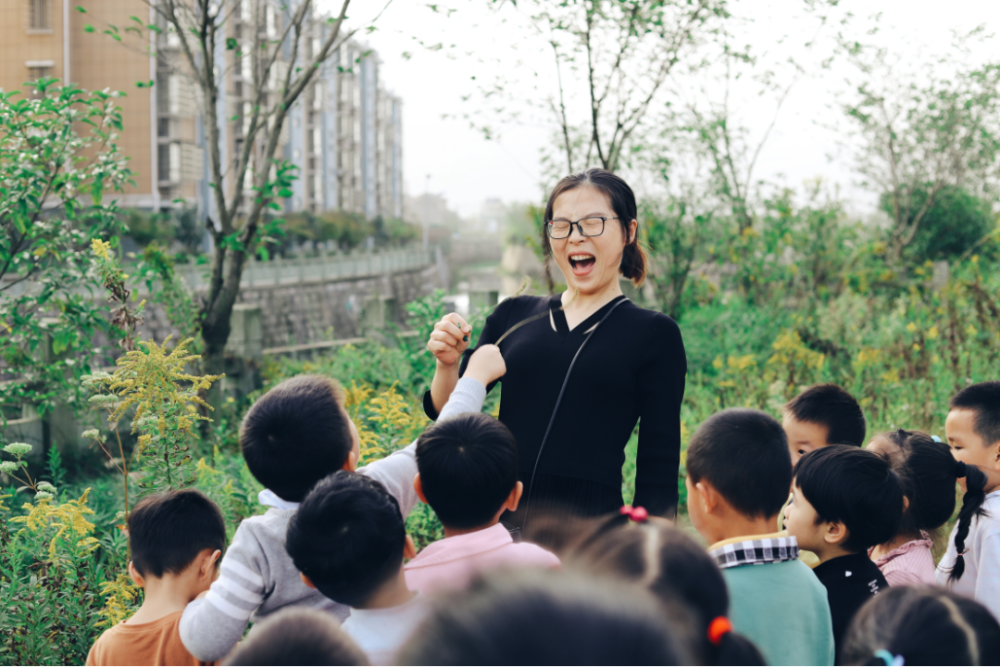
<point>559,317</point>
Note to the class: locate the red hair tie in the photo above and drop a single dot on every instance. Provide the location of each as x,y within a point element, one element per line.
<point>719,626</point>
<point>637,514</point>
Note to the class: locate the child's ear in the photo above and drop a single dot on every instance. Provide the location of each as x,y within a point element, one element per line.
<point>835,532</point>
<point>207,569</point>
<point>514,499</point>
<point>351,463</point>
<point>419,488</point>
<point>307,581</point>
<point>134,575</point>
<point>409,548</point>
<point>995,453</point>
<point>707,496</point>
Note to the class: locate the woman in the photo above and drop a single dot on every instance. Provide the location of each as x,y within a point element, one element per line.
<point>633,368</point>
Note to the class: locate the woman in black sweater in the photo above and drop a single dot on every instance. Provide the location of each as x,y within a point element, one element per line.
<point>632,369</point>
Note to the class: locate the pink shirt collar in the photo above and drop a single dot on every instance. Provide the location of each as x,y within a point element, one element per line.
<point>462,546</point>
<point>924,543</point>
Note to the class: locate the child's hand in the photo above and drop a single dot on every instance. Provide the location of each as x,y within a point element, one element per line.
<point>449,339</point>
<point>486,365</point>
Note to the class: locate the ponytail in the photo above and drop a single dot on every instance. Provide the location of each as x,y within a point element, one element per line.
<point>634,260</point>
<point>731,648</point>
<point>972,506</point>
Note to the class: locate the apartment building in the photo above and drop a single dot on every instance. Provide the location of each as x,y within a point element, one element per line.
<point>344,133</point>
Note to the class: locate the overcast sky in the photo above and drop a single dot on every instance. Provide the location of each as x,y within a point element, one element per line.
<point>442,154</point>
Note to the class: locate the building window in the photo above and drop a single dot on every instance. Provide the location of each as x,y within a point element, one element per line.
<point>39,16</point>
<point>36,72</point>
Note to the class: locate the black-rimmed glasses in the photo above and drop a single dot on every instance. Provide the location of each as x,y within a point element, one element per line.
<point>562,229</point>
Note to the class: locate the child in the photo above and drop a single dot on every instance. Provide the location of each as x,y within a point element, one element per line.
<point>922,625</point>
<point>468,475</point>
<point>292,437</point>
<point>738,475</point>
<point>348,541</point>
<point>674,568</point>
<point>176,539</point>
<point>546,618</point>
<point>971,566</point>
<point>927,471</point>
<point>820,416</point>
<point>845,500</point>
<point>298,636</point>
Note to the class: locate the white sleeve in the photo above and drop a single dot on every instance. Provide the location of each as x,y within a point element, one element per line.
<point>396,471</point>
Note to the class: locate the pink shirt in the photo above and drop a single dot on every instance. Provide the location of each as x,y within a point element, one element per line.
<point>912,564</point>
<point>453,562</point>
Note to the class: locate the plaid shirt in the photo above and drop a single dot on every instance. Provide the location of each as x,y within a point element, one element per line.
<point>756,551</point>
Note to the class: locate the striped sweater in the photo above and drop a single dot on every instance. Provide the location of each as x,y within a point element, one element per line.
<point>257,576</point>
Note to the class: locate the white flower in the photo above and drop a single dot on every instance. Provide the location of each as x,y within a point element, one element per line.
<point>17,449</point>
<point>45,487</point>
<point>41,495</point>
<point>8,467</point>
<point>92,433</point>
<point>103,399</point>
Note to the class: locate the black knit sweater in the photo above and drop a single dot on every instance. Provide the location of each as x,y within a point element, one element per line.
<point>633,369</point>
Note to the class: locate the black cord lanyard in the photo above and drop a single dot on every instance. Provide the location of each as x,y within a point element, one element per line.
<point>531,484</point>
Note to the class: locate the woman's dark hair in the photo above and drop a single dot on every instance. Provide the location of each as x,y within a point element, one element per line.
<point>923,625</point>
<point>831,406</point>
<point>743,453</point>
<point>298,636</point>
<point>854,486</point>
<point>468,467</point>
<point>622,199</point>
<point>295,435</point>
<point>167,531</point>
<point>675,569</point>
<point>545,618</point>
<point>348,537</point>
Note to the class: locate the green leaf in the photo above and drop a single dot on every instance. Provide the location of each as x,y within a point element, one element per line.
<point>231,44</point>
<point>81,9</point>
<point>274,205</point>
<point>88,28</point>
<point>285,192</point>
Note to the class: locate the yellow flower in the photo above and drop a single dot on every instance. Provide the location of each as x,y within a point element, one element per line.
<point>740,364</point>
<point>102,249</point>
<point>971,330</point>
<point>122,595</point>
<point>718,364</point>
<point>911,327</point>
<point>916,347</point>
<point>933,333</point>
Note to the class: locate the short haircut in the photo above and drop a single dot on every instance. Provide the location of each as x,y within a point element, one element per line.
<point>295,435</point>
<point>551,618</point>
<point>923,625</point>
<point>832,407</point>
<point>854,486</point>
<point>984,400</point>
<point>468,467</point>
<point>743,453</point>
<point>348,537</point>
<point>167,531</point>
<point>298,636</point>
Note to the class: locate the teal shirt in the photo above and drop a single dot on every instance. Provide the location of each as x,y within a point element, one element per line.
<point>782,608</point>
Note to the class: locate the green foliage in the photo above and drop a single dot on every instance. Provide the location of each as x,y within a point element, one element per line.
<point>58,158</point>
<point>955,221</point>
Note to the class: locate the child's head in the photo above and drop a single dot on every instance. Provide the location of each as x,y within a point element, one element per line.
<point>298,433</point>
<point>348,538</point>
<point>676,569</point>
<point>552,618</point>
<point>845,500</point>
<point>922,625</point>
<point>468,470</point>
<point>298,636</point>
<point>177,533</point>
<point>737,462</point>
<point>973,429</point>
<point>820,416</point>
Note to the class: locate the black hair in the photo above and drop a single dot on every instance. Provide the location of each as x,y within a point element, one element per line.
<point>298,636</point>
<point>830,406</point>
<point>927,470</point>
<point>348,537</point>
<point>634,261</point>
<point>167,531</point>
<point>854,486</point>
<point>675,568</point>
<point>551,618</point>
<point>743,453</point>
<point>295,435</point>
<point>923,625</point>
<point>984,400</point>
<point>468,467</point>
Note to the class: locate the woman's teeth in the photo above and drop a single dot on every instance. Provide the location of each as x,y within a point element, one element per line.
<point>581,263</point>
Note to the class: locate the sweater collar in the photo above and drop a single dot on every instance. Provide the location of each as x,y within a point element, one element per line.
<point>269,498</point>
<point>755,550</point>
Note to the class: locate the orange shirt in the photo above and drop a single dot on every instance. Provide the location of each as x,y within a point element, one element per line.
<point>155,643</point>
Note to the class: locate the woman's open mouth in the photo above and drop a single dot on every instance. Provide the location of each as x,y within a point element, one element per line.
<point>582,263</point>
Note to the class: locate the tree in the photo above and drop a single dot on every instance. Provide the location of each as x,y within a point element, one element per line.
<point>58,161</point>
<point>924,133</point>
<point>278,58</point>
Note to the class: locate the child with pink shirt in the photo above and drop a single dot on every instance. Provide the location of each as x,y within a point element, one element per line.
<point>468,475</point>
<point>928,473</point>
